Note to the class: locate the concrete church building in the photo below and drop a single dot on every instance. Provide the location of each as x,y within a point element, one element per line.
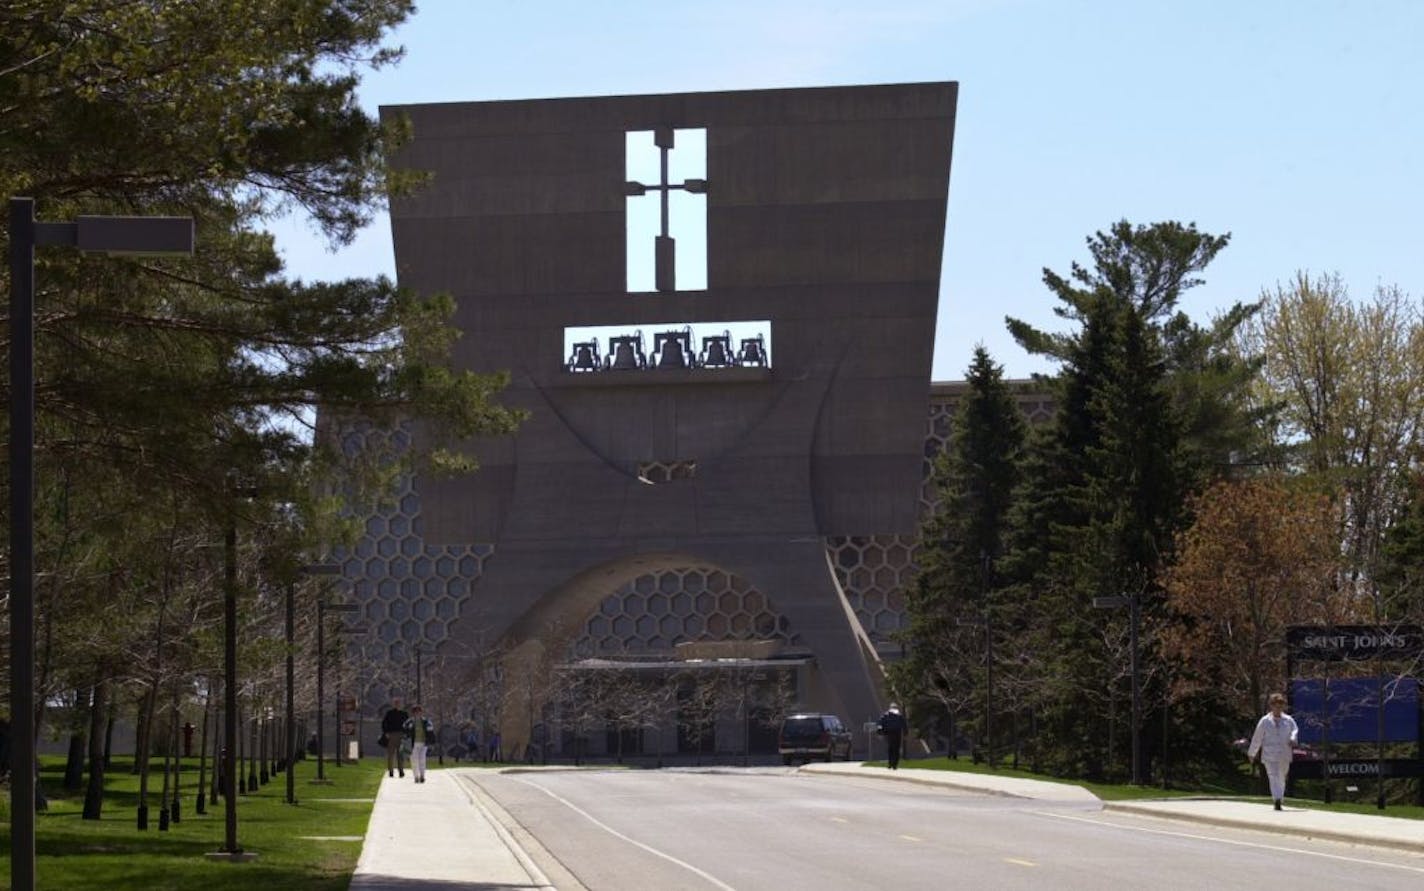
<point>725,454</point>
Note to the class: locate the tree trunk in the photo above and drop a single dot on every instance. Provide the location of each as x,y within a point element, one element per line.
<point>74,762</point>
<point>109,737</point>
<point>94,793</point>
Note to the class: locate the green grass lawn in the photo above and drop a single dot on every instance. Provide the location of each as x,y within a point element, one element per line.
<point>298,846</point>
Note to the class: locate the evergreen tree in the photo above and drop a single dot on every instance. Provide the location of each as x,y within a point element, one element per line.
<point>950,606</point>
<point>1148,406</point>
<point>166,388</point>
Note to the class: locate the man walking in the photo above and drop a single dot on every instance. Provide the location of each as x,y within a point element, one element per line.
<point>892,727</point>
<point>393,731</point>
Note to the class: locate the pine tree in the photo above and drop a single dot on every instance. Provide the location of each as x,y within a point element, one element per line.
<point>950,606</point>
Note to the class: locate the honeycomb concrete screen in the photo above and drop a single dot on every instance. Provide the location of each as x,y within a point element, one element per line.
<point>683,491</point>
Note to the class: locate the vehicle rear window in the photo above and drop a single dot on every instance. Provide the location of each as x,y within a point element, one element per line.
<point>802,726</point>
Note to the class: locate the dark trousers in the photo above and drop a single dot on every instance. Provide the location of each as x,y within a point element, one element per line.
<point>894,741</point>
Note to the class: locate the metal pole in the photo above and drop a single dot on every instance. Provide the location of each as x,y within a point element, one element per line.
<point>1137,778</point>
<point>230,845</point>
<point>22,604</point>
<point>320,686</point>
<point>290,729</point>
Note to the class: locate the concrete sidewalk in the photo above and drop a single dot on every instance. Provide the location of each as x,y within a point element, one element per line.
<point>1239,813</point>
<point>446,835</point>
<point>440,834</point>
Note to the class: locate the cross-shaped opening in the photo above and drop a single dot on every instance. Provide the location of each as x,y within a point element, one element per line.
<point>666,176</point>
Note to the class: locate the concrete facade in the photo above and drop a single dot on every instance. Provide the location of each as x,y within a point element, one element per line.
<point>825,215</point>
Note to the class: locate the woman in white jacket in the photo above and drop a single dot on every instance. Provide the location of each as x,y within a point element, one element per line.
<point>1274,740</point>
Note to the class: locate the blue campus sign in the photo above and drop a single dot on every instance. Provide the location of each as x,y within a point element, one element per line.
<point>1353,711</point>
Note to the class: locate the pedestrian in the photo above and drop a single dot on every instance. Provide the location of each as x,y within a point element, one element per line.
<point>420,733</point>
<point>392,733</point>
<point>1274,741</point>
<point>495,752</point>
<point>892,727</point>
<point>472,743</point>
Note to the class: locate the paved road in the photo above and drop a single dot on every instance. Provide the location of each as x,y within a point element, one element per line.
<point>779,830</point>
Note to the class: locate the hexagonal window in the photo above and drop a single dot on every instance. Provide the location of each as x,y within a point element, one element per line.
<point>469,566</point>
<point>410,630</point>
<point>741,623</point>
<point>885,578</point>
<point>458,587</point>
<point>645,626</point>
<point>422,567</point>
<point>729,603</point>
<point>897,555</point>
<point>717,626</point>
<point>375,611</point>
<point>410,589</point>
<point>765,625</point>
<point>387,589</point>
<point>446,608</point>
<point>400,526</point>
<point>670,583</point>
<point>422,609</point>
<point>433,588</point>
<point>445,566</point>
<point>694,581</point>
<point>376,526</point>
<point>716,581</point>
<point>753,602</point>
<point>609,646</point>
<point>400,610</point>
<point>387,631</point>
<point>847,558</point>
<point>873,600</point>
<point>611,606</point>
<point>623,627</point>
<point>694,626</point>
<point>365,548</point>
<point>410,505</point>
<point>861,579</point>
<point>706,603</point>
<point>386,547</point>
<point>364,589</point>
<point>669,626</point>
<point>598,627</point>
<point>400,567</point>
<point>352,568</point>
<point>681,604</point>
<point>645,584</point>
<point>658,605</point>
<point>410,546</point>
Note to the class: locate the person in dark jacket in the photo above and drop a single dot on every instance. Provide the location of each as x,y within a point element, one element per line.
<point>892,726</point>
<point>393,731</point>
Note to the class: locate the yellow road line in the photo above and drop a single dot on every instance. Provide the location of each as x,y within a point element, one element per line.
<point>1019,862</point>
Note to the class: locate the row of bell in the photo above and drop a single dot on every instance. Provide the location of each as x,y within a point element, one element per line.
<point>671,350</point>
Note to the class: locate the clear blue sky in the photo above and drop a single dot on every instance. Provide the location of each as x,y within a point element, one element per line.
<point>1295,125</point>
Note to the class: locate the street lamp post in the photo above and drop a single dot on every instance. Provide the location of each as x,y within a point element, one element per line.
<point>321,609</point>
<point>290,727</point>
<point>152,236</point>
<point>1134,604</point>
